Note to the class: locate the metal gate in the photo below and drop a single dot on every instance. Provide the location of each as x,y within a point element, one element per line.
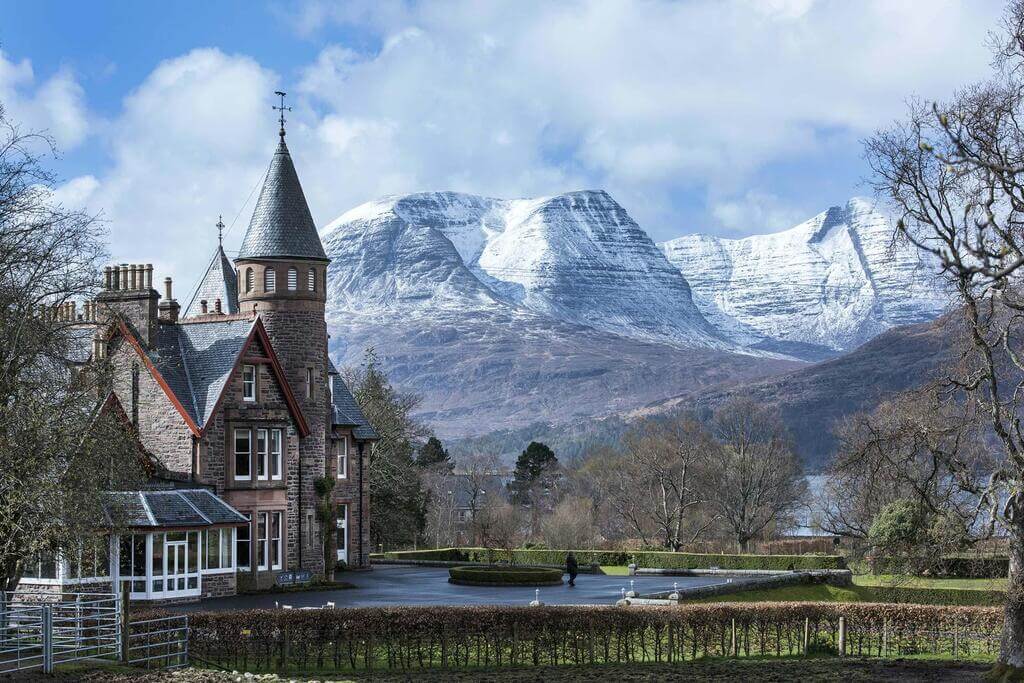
<point>39,630</point>
<point>161,643</point>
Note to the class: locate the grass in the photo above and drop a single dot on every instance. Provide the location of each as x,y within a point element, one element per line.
<point>856,593</point>
<point>614,570</point>
<point>926,582</point>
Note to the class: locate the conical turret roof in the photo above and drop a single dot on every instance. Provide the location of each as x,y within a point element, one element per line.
<point>281,225</point>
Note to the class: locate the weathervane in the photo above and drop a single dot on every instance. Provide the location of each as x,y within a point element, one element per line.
<point>220,230</point>
<point>281,109</point>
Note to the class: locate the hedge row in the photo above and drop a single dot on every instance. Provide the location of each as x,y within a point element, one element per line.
<point>954,566</point>
<point>410,638</point>
<point>933,596</point>
<point>648,559</point>
<point>506,576</point>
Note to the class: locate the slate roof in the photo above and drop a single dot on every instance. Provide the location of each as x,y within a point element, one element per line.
<point>171,508</point>
<point>281,225</point>
<point>196,360</point>
<point>346,411</point>
<point>218,282</point>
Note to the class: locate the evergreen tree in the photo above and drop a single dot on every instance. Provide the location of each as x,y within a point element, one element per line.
<point>532,465</point>
<point>399,502</point>
<point>433,453</point>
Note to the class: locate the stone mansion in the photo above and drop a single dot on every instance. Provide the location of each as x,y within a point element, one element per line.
<point>239,411</point>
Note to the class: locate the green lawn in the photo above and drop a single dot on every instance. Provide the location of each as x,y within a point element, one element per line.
<point>925,582</point>
<point>614,570</point>
<point>860,593</point>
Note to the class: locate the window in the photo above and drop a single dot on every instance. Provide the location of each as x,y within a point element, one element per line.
<point>293,279</point>
<point>248,382</point>
<point>309,531</point>
<point>269,280</point>
<point>311,282</point>
<point>248,280</point>
<point>217,552</point>
<point>275,454</point>
<point>242,539</point>
<point>44,566</point>
<point>261,454</point>
<point>261,540</point>
<point>341,451</point>
<point>90,559</point>
<point>275,540</point>
<point>309,383</point>
<point>243,455</point>
<point>342,531</point>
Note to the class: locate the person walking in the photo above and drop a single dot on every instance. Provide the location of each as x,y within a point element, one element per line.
<point>572,568</point>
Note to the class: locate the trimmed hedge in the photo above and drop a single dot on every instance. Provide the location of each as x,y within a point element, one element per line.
<point>648,559</point>
<point>505,576</point>
<point>952,567</point>
<point>932,596</point>
<point>409,639</point>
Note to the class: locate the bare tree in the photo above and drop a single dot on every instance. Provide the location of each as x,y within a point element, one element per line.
<point>954,172</point>
<point>899,452</point>
<point>757,478</point>
<point>58,455</point>
<point>480,483</point>
<point>502,527</point>
<point>667,467</point>
<point>440,485</point>
<point>570,525</point>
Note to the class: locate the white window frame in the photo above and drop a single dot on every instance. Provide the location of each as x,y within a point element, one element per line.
<point>276,540</point>
<point>311,281</point>
<point>235,451</point>
<point>269,280</point>
<point>342,525</point>
<point>225,552</point>
<point>262,459</point>
<point>293,279</point>
<point>263,553</point>
<point>249,383</point>
<point>247,566</point>
<point>342,457</point>
<point>276,451</point>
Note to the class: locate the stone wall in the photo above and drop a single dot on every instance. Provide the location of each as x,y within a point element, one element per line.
<point>219,585</point>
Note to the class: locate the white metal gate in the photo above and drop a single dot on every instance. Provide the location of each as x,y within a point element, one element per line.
<point>42,630</point>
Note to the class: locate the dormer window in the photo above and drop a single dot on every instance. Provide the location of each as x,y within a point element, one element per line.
<point>269,280</point>
<point>293,279</point>
<point>311,284</point>
<point>248,382</point>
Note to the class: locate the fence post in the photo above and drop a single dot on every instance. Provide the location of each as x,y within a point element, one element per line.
<point>735,645</point>
<point>46,628</point>
<point>124,627</point>
<point>842,636</point>
<point>807,635</point>
<point>885,637</point>
<point>956,640</point>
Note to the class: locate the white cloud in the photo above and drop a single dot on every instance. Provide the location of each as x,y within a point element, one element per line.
<point>56,106</point>
<point>652,101</point>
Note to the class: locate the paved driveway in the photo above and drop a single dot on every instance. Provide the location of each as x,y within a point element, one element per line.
<point>396,585</point>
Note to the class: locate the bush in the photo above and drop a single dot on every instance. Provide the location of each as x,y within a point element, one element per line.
<point>932,596</point>
<point>505,576</point>
<point>654,560</point>
<point>950,566</point>
<point>416,638</point>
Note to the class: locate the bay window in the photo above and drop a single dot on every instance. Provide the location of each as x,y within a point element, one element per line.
<point>275,540</point>
<point>261,540</point>
<point>217,551</point>
<point>243,455</point>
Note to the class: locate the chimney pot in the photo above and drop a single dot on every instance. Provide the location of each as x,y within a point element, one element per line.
<point>202,305</point>
<point>107,278</point>
<point>216,306</point>
<point>133,277</point>
<point>167,289</point>
<point>149,276</point>
<point>124,277</point>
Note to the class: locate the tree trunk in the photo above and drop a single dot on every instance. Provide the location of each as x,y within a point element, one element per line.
<point>1011,649</point>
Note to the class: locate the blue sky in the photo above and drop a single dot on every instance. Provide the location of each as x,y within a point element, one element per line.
<point>733,117</point>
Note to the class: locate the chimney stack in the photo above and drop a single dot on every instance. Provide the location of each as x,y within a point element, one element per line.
<point>202,306</point>
<point>216,306</point>
<point>169,308</point>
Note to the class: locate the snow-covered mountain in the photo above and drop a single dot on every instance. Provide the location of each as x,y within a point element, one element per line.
<point>502,313</point>
<point>577,258</point>
<point>834,281</point>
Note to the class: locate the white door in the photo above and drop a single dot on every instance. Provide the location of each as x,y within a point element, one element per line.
<point>176,569</point>
<point>343,532</point>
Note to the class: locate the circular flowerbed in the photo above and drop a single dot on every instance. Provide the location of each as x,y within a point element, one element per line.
<point>505,576</point>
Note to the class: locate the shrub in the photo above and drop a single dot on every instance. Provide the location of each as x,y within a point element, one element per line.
<point>932,596</point>
<point>654,560</point>
<point>950,566</point>
<point>415,638</point>
<point>505,576</point>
